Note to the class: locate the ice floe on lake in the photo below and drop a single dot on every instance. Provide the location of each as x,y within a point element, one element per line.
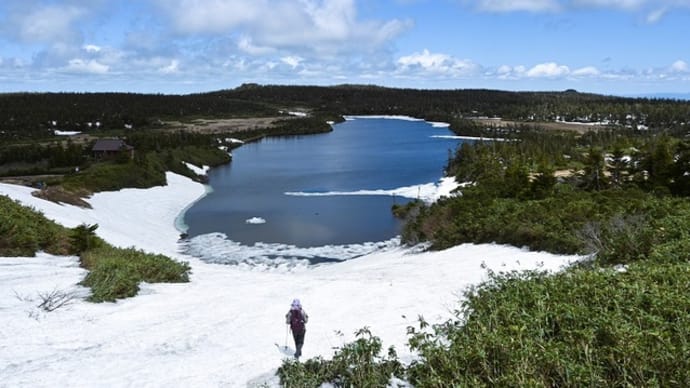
<point>428,192</point>
<point>255,221</point>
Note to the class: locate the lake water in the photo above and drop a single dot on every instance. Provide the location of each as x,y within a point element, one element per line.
<point>309,197</point>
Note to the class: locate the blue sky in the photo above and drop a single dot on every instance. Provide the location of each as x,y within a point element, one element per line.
<point>184,46</point>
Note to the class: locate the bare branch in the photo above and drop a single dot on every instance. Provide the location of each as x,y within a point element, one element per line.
<point>55,299</point>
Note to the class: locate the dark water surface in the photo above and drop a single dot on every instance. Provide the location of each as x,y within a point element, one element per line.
<point>361,154</point>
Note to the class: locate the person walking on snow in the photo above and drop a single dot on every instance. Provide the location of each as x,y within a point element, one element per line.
<point>297,318</point>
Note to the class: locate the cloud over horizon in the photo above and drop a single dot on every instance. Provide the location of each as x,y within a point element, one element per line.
<point>197,45</point>
<point>653,10</point>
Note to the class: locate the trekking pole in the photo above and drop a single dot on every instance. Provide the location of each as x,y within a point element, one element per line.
<point>287,328</point>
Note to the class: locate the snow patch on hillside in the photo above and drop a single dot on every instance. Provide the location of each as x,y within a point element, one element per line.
<point>224,327</point>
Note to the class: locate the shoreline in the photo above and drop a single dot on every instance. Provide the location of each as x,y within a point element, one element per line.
<point>140,218</point>
<point>183,194</point>
<point>434,124</point>
<point>196,323</point>
<point>172,327</point>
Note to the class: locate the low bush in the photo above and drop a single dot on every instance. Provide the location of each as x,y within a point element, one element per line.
<point>142,172</point>
<point>586,326</point>
<point>116,273</point>
<point>581,327</point>
<point>357,364</point>
<point>24,231</point>
<point>619,226</point>
<point>113,273</point>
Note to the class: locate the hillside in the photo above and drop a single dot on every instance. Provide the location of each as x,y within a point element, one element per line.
<point>616,195</point>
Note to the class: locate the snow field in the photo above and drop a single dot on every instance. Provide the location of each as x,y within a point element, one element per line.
<point>221,329</point>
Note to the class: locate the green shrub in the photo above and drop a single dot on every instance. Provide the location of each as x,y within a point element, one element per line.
<point>586,326</point>
<point>23,231</point>
<point>578,328</point>
<point>116,273</point>
<point>407,210</point>
<point>619,225</point>
<point>83,238</point>
<point>357,364</point>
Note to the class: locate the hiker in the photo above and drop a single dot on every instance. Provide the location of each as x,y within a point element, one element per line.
<point>297,318</point>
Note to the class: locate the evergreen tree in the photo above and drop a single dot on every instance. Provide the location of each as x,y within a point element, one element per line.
<point>594,177</point>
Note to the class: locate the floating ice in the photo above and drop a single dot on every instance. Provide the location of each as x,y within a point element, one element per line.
<point>428,192</point>
<point>386,117</point>
<point>227,319</point>
<point>255,221</point>
<point>467,138</point>
<point>219,249</point>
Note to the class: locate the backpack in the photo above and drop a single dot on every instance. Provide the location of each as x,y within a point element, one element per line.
<point>297,321</point>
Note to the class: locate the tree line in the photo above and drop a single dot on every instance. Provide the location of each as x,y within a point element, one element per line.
<point>31,115</point>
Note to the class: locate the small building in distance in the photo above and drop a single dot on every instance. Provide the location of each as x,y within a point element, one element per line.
<point>111,148</point>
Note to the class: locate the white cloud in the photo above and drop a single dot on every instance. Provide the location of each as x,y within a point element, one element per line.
<point>679,67</point>
<point>548,70</point>
<point>520,69</point>
<point>292,60</point>
<point>587,71</point>
<point>81,66</point>
<point>654,16</point>
<point>543,70</point>
<point>202,16</point>
<point>172,68</point>
<point>504,71</point>
<point>622,4</point>
<point>245,44</point>
<point>46,24</point>
<point>654,10</point>
<point>324,27</point>
<point>518,5</point>
<point>436,64</point>
<point>91,48</point>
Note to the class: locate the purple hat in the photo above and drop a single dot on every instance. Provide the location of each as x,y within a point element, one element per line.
<point>296,304</point>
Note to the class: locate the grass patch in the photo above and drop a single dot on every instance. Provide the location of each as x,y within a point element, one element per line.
<point>23,231</point>
<point>116,273</point>
<point>113,272</point>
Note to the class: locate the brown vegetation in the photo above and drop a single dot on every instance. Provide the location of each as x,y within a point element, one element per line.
<point>225,125</point>
<point>59,194</point>
<point>551,125</point>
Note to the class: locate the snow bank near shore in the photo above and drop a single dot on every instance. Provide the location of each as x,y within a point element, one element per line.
<point>435,124</point>
<point>226,327</point>
<point>428,193</point>
<point>144,218</point>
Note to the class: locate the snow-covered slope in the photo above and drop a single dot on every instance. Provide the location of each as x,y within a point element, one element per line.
<point>226,327</point>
